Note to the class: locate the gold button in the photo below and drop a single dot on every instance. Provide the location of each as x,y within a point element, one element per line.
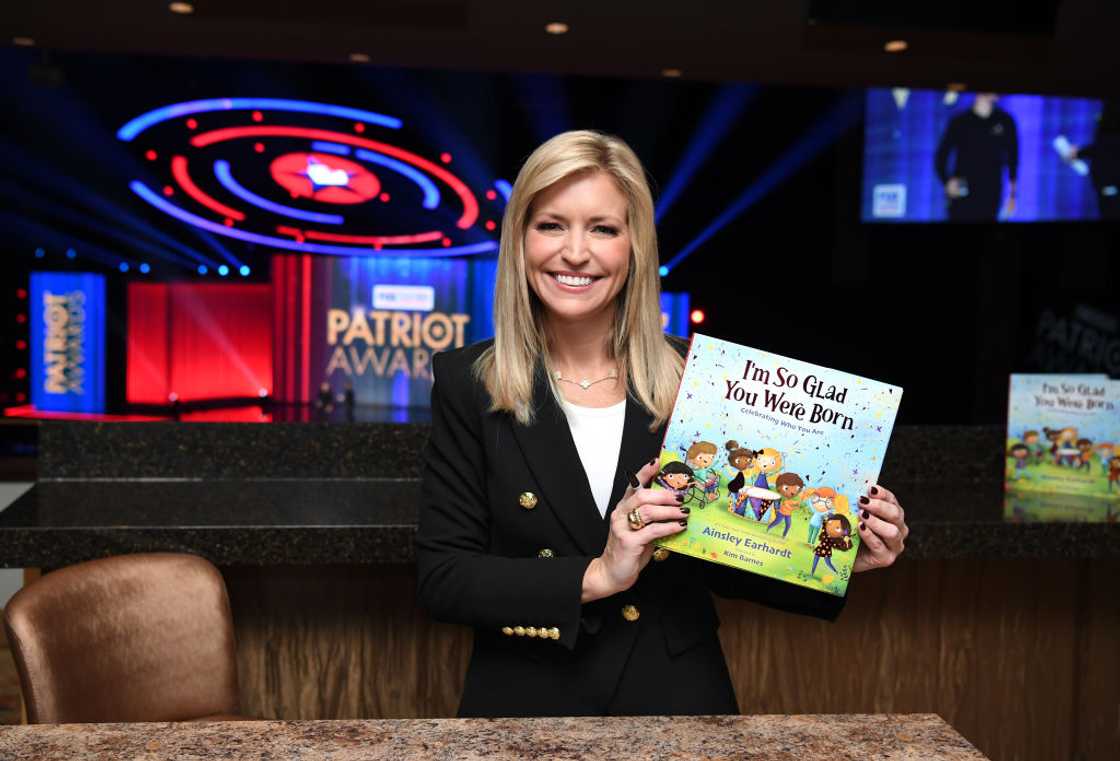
<point>527,500</point>
<point>554,633</point>
<point>531,631</point>
<point>630,612</point>
<point>546,553</point>
<point>519,631</point>
<point>506,630</point>
<point>660,553</point>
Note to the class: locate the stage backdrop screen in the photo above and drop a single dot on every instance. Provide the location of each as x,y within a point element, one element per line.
<point>933,156</point>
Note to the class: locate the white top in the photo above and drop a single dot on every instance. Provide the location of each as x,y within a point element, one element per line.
<point>597,432</point>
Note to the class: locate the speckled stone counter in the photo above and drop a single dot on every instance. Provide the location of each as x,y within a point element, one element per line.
<point>317,521</point>
<point>932,453</point>
<point>863,737</point>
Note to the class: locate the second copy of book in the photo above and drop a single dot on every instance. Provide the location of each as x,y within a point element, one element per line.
<point>1062,434</point>
<point>772,454</point>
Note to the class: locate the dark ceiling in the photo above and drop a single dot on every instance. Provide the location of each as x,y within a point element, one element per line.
<point>1052,46</point>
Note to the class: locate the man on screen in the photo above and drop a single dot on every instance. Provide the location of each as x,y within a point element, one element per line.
<point>982,141</point>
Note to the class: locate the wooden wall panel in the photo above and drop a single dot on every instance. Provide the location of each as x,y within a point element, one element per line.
<point>1022,658</point>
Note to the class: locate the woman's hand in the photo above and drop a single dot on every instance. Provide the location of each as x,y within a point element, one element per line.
<point>628,551</point>
<point>882,530</point>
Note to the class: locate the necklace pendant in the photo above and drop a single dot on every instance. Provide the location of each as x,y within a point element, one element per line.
<point>584,384</point>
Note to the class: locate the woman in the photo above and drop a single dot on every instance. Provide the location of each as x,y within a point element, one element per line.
<point>536,524</point>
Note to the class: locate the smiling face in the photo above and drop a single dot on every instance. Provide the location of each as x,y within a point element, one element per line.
<point>703,460</point>
<point>676,480</point>
<point>577,246</point>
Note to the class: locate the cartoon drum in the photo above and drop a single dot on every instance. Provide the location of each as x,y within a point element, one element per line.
<point>761,499</point>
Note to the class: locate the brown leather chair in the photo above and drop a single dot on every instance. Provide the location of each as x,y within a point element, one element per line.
<point>128,638</point>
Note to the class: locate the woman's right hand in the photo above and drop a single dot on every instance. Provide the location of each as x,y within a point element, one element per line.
<point>628,551</point>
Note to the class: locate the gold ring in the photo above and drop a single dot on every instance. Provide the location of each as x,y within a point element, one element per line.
<point>635,519</point>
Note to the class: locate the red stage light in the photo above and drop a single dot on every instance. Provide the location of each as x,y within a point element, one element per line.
<point>445,157</point>
<point>359,127</point>
<point>151,155</point>
<point>21,373</point>
<point>20,396</point>
<point>21,318</point>
<point>384,197</point>
<point>490,224</point>
<point>697,316</point>
<point>21,344</point>
<point>168,190</point>
<point>21,293</point>
<point>258,147</point>
<point>258,116</point>
<point>192,124</point>
<point>491,195</point>
<point>446,242</point>
<point>229,222</point>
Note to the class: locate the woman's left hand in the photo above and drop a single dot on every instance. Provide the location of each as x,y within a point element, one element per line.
<point>882,530</point>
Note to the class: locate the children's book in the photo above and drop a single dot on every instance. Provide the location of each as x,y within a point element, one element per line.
<point>1062,434</point>
<point>772,454</point>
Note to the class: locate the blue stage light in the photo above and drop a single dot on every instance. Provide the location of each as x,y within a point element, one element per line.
<point>202,269</point>
<point>40,253</point>
<point>160,203</point>
<point>71,253</point>
<point>222,172</point>
<point>223,270</point>
<point>123,266</point>
<point>431,192</point>
<point>504,188</point>
<point>726,108</point>
<point>844,115</point>
<point>145,268</point>
<point>663,270</point>
<point>336,148</point>
<point>142,122</point>
<point>244,270</point>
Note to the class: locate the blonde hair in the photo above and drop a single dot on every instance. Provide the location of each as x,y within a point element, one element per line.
<point>648,364</point>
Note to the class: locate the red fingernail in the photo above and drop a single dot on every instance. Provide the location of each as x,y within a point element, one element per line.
<point>866,515</point>
<point>864,501</point>
<point>874,490</point>
<point>861,526</point>
<point>634,482</point>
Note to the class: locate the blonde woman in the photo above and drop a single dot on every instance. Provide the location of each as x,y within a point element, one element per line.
<point>536,524</point>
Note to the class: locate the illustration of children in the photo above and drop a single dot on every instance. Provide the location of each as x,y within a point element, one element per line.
<point>790,487</point>
<point>1021,453</point>
<point>1037,450</point>
<point>769,461</point>
<point>836,535</point>
<point>822,504</point>
<point>1084,459</point>
<point>678,478</point>
<point>700,457</point>
<point>1113,472</point>
<point>1062,447</point>
<point>1105,452</point>
<point>741,462</point>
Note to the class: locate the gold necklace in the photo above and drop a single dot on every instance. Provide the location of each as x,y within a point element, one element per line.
<point>585,383</point>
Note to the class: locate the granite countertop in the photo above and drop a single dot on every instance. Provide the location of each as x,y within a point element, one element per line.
<point>302,493</point>
<point>888,736</point>
<point>328,521</point>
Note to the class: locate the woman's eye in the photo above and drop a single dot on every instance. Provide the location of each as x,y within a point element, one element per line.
<point>607,229</point>
<point>544,226</point>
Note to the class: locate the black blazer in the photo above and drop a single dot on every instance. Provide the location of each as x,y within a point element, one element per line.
<point>507,527</point>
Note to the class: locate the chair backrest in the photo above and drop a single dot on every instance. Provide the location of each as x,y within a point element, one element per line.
<point>145,637</point>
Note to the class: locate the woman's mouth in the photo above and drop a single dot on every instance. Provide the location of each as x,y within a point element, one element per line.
<point>570,282</point>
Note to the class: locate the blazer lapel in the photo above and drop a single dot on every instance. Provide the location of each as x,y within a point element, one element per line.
<point>551,455</point>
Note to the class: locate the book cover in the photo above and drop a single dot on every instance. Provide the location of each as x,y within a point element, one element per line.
<point>1062,434</point>
<point>772,454</point>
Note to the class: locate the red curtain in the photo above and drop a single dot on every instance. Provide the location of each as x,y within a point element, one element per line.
<point>198,341</point>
